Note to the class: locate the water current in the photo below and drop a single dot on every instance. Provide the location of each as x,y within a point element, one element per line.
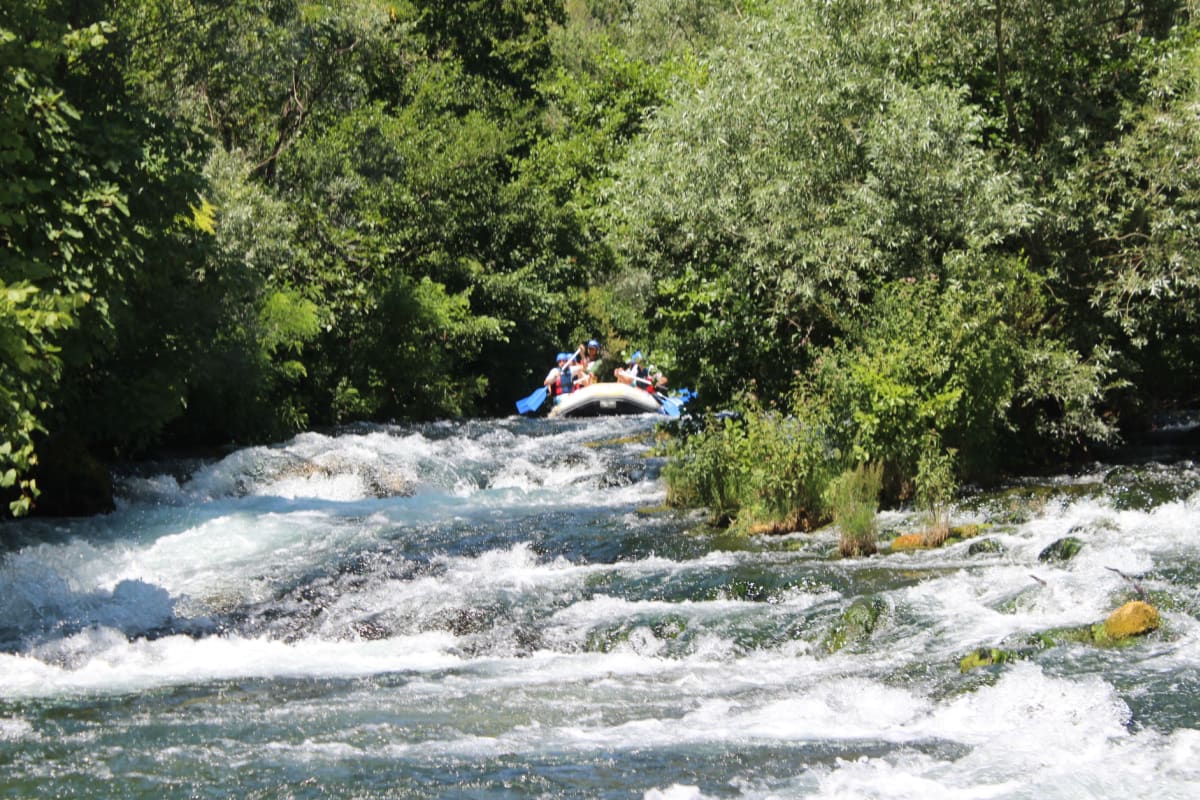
<point>503,609</point>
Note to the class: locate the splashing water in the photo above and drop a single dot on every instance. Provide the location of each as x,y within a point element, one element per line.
<point>500,609</point>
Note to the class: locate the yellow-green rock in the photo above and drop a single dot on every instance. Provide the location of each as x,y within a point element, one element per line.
<point>1132,619</point>
<point>909,541</point>
<point>1062,550</point>
<point>986,657</point>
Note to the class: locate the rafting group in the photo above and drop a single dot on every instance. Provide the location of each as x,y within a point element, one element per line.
<point>575,382</point>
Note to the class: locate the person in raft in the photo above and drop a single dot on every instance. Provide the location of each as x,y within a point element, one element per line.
<point>590,363</point>
<point>637,374</point>
<point>562,379</point>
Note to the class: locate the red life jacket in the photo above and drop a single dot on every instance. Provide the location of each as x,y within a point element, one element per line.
<point>566,381</point>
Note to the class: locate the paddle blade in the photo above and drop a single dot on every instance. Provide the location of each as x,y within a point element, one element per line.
<point>528,405</point>
<point>669,405</point>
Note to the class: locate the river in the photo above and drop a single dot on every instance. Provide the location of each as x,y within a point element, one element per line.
<point>503,609</point>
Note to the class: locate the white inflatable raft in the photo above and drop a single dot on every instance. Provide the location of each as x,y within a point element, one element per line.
<point>604,399</point>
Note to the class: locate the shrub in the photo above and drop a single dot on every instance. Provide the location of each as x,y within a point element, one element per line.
<point>761,466</point>
<point>935,489</point>
<point>707,468</point>
<point>789,466</point>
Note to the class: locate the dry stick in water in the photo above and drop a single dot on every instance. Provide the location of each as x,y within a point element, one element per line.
<point>1137,587</point>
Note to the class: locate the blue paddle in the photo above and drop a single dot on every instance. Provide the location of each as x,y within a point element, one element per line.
<point>671,406</point>
<point>528,405</point>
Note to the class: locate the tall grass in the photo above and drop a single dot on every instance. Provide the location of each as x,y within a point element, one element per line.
<point>853,499</point>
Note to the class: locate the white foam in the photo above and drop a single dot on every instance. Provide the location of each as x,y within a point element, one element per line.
<point>102,660</point>
<point>519,473</point>
<point>14,729</point>
<point>350,465</point>
<point>336,487</point>
<point>1030,735</point>
<point>230,556</point>
<point>37,600</point>
<point>1035,712</point>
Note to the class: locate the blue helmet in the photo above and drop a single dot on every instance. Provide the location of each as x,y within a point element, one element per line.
<point>637,356</point>
<point>593,343</point>
<point>563,357</point>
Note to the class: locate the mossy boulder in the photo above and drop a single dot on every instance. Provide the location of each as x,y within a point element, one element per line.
<point>984,546</point>
<point>988,656</point>
<point>1059,636</point>
<point>968,531</point>
<point>1064,549</point>
<point>856,624</point>
<point>1134,618</point>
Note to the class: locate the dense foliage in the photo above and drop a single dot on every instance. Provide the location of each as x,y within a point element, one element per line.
<point>938,238</point>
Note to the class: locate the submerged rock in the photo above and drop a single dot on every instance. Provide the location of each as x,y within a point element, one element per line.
<point>1134,618</point>
<point>985,546</point>
<point>1144,487</point>
<point>1064,549</point>
<point>856,624</point>
<point>1018,505</point>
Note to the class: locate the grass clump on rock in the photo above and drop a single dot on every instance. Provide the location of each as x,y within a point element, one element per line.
<point>853,499</point>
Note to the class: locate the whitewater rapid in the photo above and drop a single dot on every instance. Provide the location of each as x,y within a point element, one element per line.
<point>505,609</point>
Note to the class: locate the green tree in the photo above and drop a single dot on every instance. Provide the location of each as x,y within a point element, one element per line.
<point>94,217</point>
<point>1143,193</point>
<point>396,217</point>
<point>244,383</point>
<point>504,42</point>
<point>391,133</point>
<point>29,367</point>
<point>730,201</point>
<point>594,103</point>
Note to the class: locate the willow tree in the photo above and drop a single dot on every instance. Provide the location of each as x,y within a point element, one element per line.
<point>1143,191</point>
<point>1088,102</point>
<point>771,196</point>
<point>790,202</point>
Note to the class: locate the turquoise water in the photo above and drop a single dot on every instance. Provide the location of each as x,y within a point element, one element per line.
<point>501,610</point>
